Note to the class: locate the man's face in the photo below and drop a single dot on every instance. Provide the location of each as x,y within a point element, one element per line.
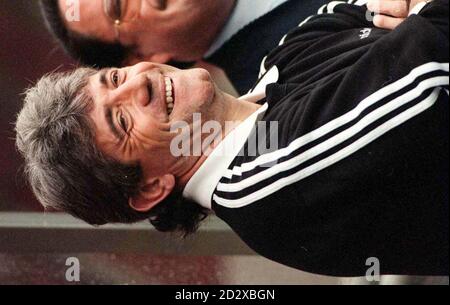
<point>133,112</point>
<point>157,30</point>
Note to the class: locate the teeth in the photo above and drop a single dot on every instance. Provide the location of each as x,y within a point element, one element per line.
<point>169,95</point>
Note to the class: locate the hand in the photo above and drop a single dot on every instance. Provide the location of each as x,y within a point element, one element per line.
<point>391,12</point>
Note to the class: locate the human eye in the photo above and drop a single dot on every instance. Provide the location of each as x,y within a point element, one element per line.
<point>122,121</point>
<point>115,78</point>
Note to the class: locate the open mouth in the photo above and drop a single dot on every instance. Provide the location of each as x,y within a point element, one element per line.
<point>170,96</point>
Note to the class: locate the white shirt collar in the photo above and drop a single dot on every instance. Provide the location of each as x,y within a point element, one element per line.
<point>245,12</point>
<point>201,186</point>
<point>418,8</point>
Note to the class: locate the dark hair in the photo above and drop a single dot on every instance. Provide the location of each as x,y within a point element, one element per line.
<point>89,51</point>
<point>66,170</point>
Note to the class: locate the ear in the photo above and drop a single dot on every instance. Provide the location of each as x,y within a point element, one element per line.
<point>152,192</point>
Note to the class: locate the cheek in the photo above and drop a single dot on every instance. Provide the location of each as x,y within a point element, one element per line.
<point>154,155</point>
<point>144,133</point>
<point>149,136</point>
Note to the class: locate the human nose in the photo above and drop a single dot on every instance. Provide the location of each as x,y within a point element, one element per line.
<point>139,91</point>
<point>142,84</point>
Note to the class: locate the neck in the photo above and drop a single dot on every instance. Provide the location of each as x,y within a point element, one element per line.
<point>233,111</point>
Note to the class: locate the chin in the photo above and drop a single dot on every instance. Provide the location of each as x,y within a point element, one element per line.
<point>198,95</point>
<point>204,88</point>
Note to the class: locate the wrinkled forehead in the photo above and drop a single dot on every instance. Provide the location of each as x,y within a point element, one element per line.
<point>87,17</point>
<point>98,94</point>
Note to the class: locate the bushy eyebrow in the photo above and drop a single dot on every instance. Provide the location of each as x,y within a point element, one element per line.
<point>102,78</point>
<point>108,111</point>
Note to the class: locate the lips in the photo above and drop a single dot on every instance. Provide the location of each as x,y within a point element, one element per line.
<point>167,92</point>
